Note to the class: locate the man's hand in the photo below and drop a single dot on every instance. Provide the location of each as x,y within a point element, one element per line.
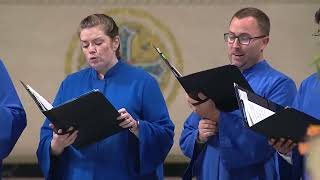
<point>284,146</point>
<point>206,110</point>
<point>207,128</point>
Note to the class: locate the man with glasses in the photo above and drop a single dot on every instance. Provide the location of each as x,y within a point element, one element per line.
<point>218,143</point>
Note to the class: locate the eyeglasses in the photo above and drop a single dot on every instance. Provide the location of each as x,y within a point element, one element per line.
<point>243,39</point>
<point>316,33</point>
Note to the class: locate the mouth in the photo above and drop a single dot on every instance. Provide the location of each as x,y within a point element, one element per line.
<point>93,59</point>
<point>238,55</point>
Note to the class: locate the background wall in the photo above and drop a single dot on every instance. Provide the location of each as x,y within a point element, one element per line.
<point>37,45</point>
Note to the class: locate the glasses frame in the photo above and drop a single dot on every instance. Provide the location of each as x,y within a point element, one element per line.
<point>226,39</point>
<point>317,33</point>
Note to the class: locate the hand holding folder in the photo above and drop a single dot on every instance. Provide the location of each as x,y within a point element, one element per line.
<point>91,114</point>
<point>272,120</point>
<point>216,83</point>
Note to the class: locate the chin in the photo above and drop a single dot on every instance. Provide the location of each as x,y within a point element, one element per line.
<point>236,63</point>
<point>95,66</point>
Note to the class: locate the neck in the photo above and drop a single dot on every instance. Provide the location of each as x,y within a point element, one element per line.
<point>103,71</point>
<point>247,66</point>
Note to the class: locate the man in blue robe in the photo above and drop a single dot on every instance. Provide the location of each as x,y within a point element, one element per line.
<point>137,153</point>
<point>12,114</point>
<point>218,142</point>
<point>307,100</point>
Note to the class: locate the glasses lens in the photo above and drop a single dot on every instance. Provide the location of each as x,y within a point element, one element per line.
<point>231,38</point>
<point>226,37</point>
<point>244,39</point>
<point>316,33</point>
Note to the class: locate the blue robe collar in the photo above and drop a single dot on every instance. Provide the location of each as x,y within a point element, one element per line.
<point>257,67</point>
<point>114,69</point>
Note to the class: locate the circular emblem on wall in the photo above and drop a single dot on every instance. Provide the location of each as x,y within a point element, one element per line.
<point>139,30</point>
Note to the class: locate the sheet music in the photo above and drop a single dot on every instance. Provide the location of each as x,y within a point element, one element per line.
<point>254,112</point>
<point>258,113</point>
<point>42,101</point>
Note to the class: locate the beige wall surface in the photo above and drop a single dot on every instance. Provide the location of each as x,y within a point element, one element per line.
<point>36,46</point>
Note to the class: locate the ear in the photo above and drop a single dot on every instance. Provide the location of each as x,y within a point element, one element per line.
<point>115,43</point>
<point>265,42</point>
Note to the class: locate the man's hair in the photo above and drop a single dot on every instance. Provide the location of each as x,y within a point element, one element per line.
<point>317,16</point>
<point>261,18</point>
<point>109,26</point>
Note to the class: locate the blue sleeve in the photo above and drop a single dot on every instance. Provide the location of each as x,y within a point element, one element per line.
<point>156,130</point>
<point>239,145</point>
<point>189,135</point>
<point>300,97</point>
<point>12,114</point>
<point>45,159</point>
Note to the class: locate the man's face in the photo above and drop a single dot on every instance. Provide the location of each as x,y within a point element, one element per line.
<point>245,56</point>
<point>98,48</point>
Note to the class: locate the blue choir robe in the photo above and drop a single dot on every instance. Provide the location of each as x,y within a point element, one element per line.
<point>236,152</point>
<point>12,114</point>
<point>122,156</point>
<point>307,101</point>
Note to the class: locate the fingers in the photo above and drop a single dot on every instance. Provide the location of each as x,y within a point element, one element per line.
<point>191,100</point>
<point>122,110</point>
<point>70,139</point>
<point>207,128</point>
<point>128,123</point>
<point>208,125</point>
<point>202,96</point>
<point>126,118</point>
<point>282,145</point>
<point>272,141</point>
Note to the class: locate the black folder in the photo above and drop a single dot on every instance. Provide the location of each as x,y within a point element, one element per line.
<point>216,83</point>
<point>286,122</point>
<point>91,113</point>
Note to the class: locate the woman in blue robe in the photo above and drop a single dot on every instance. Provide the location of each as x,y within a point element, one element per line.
<point>226,149</point>
<point>137,153</point>
<point>12,114</point>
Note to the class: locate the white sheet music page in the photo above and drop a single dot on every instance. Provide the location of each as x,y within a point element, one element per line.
<point>258,113</point>
<point>43,102</point>
<point>254,112</point>
<point>243,96</point>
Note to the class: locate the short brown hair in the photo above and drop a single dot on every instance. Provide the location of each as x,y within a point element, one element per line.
<point>108,24</point>
<point>262,19</point>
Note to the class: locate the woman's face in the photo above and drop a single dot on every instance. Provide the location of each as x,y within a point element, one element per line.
<point>98,48</point>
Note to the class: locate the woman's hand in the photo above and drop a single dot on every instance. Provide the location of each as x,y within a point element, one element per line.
<point>59,142</point>
<point>128,121</point>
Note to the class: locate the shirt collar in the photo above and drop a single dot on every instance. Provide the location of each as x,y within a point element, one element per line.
<point>256,67</point>
<point>114,69</point>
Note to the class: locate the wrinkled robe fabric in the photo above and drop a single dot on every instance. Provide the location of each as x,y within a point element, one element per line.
<point>236,152</point>
<point>122,156</point>
<point>12,115</point>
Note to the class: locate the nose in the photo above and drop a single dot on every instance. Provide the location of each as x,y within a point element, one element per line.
<point>236,43</point>
<point>92,48</point>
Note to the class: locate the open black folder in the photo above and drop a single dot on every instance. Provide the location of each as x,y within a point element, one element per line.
<point>91,113</point>
<point>272,120</point>
<point>216,83</point>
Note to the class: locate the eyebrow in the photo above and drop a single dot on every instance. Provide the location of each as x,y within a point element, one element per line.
<point>97,38</point>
